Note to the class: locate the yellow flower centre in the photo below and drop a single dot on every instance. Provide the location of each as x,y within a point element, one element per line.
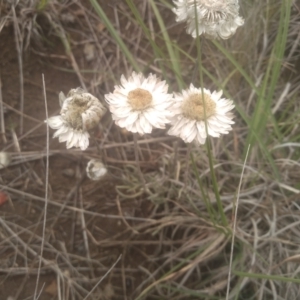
<point>139,99</point>
<point>198,108</point>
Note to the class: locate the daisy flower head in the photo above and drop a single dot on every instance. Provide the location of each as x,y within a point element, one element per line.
<point>215,18</point>
<point>95,169</point>
<point>192,110</point>
<point>80,112</point>
<point>140,103</point>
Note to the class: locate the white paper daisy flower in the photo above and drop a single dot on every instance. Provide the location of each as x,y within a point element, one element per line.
<point>140,103</point>
<point>80,112</point>
<point>215,18</point>
<point>95,169</point>
<point>191,111</point>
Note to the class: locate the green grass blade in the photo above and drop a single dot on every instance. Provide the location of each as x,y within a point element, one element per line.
<point>158,53</point>
<point>209,152</point>
<point>266,95</point>
<point>172,55</point>
<point>209,207</point>
<point>236,65</point>
<point>267,277</point>
<point>115,34</point>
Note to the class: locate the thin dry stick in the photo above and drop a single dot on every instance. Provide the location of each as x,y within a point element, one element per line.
<point>16,236</point>
<point>124,220</point>
<point>2,115</point>
<point>83,227</point>
<point>46,194</point>
<point>38,296</point>
<point>84,233</point>
<point>59,29</point>
<point>72,208</point>
<point>187,168</point>
<point>234,225</point>
<point>105,275</point>
<point>59,288</point>
<point>19,46</point>
<point>136,153</point>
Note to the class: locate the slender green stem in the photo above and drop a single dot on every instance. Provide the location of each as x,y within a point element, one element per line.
<point>215,185</point>
<point>114,34</point>
<point>266,276</point>
<point>137,161</point>
<point>211,165</point>
<point>173,58</point>
<point>208,205</point>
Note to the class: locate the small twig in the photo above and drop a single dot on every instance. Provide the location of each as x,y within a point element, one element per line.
<point>105,275</point>
<point>22,114</point>
<point>16,141</point>
<point>234,225</point>
<point>187,167</point>
<point>60,30</point>
<point>175,161</point>
<point>42,288</point>
<point>84,233</point>
<point>72,208</point>
<point>46,194</point>
<point>2,115</point>
<point>136,154</point>
<point>19,46</point>
<point>27,248</point>
<point>21,286</point>
<point>124,220</point>
<point>123,275</point>
<point>83,227</point>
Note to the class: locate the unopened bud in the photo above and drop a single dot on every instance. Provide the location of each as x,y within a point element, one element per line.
<point>95,169</point>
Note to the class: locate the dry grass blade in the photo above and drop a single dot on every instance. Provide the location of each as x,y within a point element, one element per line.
<point>105,275</point>
<point>2,115</point>
<point>19,46</point>
<point>36,296</point>
<point>235,210</point>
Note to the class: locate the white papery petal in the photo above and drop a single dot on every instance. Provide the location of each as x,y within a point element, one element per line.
<point>191,135</point>
<point>212,131</point>
<point>201,130</point>
<point>144,125</point>
<point>65,136</point>
<point>83,142</point>
<point>62,130</point>
<point>55,122</point>
<point>132,117</point>
<point>200,139</point>
<point>5,159</point>
<point>176,128</point>
<point>123,123</point>
<point>72,140</point>
<point>137,127</point>
<point>186,129</point>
